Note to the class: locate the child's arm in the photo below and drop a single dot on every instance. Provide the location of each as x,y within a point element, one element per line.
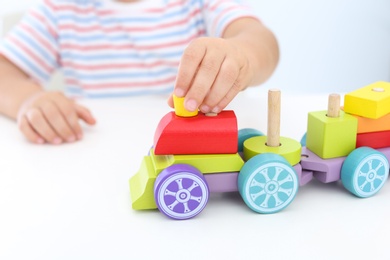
<point>42,116</point>
<point>214,70</point>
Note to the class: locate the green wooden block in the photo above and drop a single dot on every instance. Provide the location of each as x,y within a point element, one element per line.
<point>331,137</point>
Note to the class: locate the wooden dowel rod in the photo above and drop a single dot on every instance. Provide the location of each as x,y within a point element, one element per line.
<point>333,105</point>
<point>273,129</point>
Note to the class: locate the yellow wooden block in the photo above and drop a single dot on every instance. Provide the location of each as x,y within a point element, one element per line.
<point>206,163</point>
<point>180,110</point>
<point>372,101</point>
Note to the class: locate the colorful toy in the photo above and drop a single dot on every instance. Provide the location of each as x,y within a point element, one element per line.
<point>196,156</point>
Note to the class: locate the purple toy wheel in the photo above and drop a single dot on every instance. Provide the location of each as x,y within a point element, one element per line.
<point>181,191</point>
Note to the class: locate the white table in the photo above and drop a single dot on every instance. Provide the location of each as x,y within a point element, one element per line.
<point>72,201</point>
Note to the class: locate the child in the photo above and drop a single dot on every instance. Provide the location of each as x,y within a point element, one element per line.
<point>204,50</point>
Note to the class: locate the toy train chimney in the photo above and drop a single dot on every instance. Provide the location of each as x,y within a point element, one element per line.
<point>333,105</point>
<point>273,130</point>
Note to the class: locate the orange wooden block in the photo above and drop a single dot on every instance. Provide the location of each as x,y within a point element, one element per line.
<point>374,139</point>
<point>368,125</point>
<point>201,134</point>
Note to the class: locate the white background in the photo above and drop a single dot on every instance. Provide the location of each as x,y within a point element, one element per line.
<point>326,45</point>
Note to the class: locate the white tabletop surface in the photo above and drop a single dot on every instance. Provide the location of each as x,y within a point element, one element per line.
<point>72,201</point>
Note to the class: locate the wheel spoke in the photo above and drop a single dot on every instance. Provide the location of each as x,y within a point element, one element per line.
<point>362,174</point>
<point>372,186</point>
<point>186,208</point>
<point>264,204</point>
<point>278,170</point>
<point>197,199</point>
<point>169,193</point>
<point>278,201</point>
<point>380,177</point>
<point>363,185</point>
<point>265,174</point>
<point>287,179</point>
<point>193,186</point>
<point>369,164</point>
<point>180,183</point>
<point>255,183</point>
<point>254,196</point>
<point>286,191</point>
<point>379,166</point>
<point>173,205</point>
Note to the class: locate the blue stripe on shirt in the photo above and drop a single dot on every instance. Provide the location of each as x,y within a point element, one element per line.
<point>79,92</point>
<point>38,48</point>
<point>140,19</point>
<point>70,55</point>
<point>92,38</point>
<point>117,76</point>
<point>30,66</point>
<point>38,26</point>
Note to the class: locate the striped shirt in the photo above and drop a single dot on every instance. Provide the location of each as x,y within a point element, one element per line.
<point>107,48</point>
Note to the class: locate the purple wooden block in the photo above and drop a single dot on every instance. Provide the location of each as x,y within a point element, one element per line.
<point>306,177</point>
<point>385,151</point>
<point>303,176</point>
<point>222,182</point>
<point>323,170</point>
<point>227,181</point>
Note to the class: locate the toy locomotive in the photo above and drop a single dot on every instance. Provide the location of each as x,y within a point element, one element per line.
<point>195,154</point>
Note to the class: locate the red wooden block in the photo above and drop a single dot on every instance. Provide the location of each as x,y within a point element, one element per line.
<point>373,139</point>
<point>200,134</point>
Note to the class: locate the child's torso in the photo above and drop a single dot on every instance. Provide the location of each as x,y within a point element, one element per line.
<point>106,45</point>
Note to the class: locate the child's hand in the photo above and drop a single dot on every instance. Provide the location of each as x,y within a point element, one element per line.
<point>51,117</point>
<point>212,72</point>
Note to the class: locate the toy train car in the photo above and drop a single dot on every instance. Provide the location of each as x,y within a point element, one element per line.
<point>196,154</point>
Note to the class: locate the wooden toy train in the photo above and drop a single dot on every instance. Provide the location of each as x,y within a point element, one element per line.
<point>195,154</point>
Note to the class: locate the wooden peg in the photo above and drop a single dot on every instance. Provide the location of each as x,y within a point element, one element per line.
<point>333,105</point>
<point>273,130</point>
<point>180,110</point>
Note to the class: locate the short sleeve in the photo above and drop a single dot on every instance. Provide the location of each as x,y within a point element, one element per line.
<point>32,44</point>
<point>218,14</point>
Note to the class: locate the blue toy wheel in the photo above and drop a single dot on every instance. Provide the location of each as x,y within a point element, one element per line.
<point>246,133</point>
<point>364,172</point>
<point>303,140</point>
<point>181,191</point>
<point>267,183</point>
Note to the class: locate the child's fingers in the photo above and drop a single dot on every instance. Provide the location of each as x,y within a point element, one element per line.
<point>39,123</point>
<point>68,111</point>
<point>189,63</point>
<point>84,114</point>
<point>28,131</point>
<point>60,118</point>
<point>170,101</point>
<point>204,79</point>
<point>233,91</point>
<point>225,80</point>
